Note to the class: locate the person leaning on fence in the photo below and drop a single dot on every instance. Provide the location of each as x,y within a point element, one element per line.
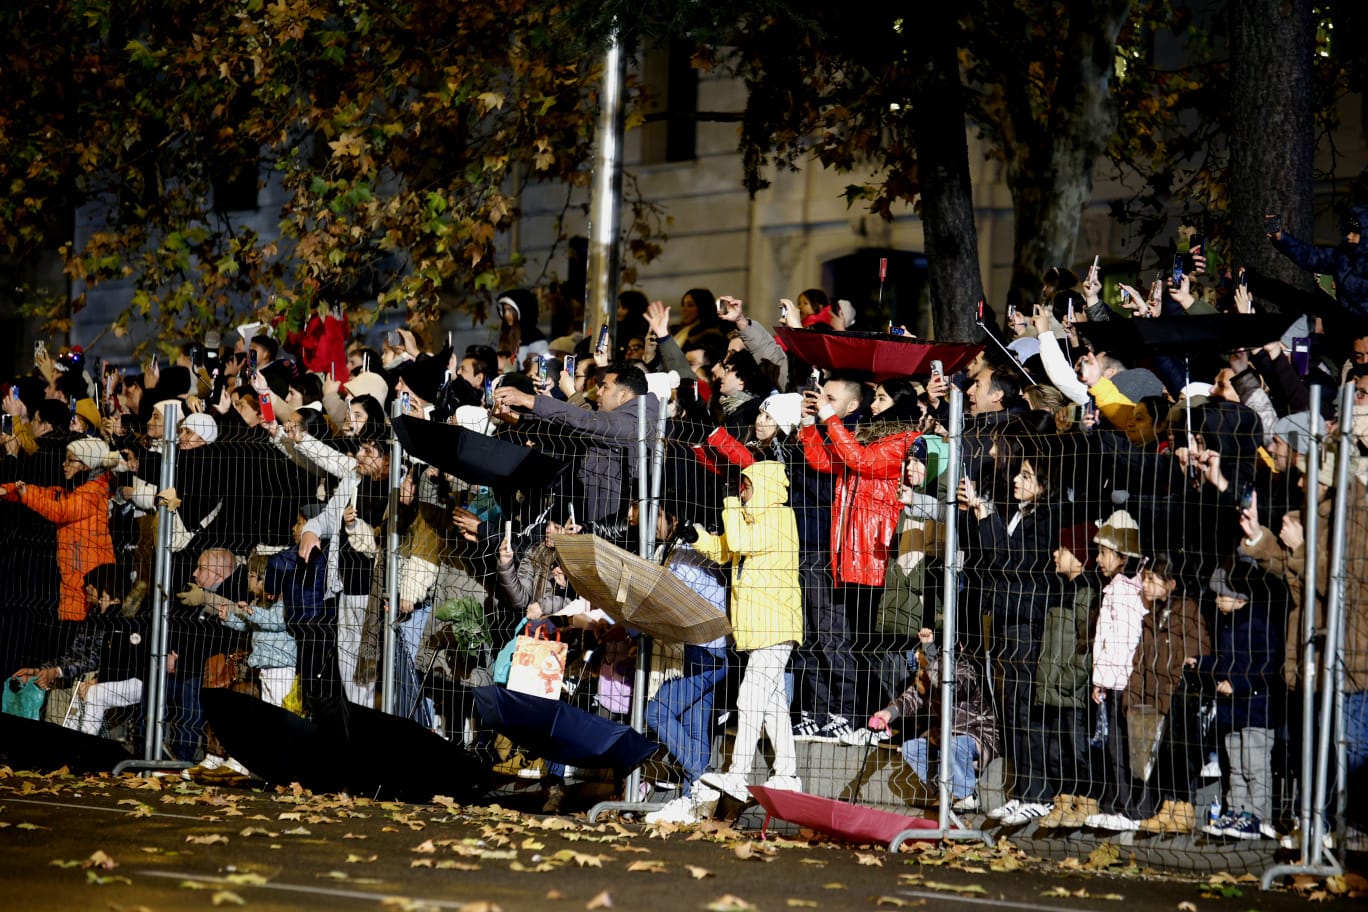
<point>274,654</point>
<point>1115,640</point>
<point>974,732</point>
<point>760,541</point>
<point>681,712</point>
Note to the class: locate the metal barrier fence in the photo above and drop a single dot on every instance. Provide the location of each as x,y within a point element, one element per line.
<point>1137,635</point>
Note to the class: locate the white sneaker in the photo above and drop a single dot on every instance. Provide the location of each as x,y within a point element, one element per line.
<point>703,794</point>
<point>1211,770</point>
<point>1119,823</point>
<point>862,736</point>
<point>677,810</point>
<point>966,805</point>
<point>1026,812</point>
<point>232,764</point>
<point>733,784</point>
<point>212,762</point>
<point>1007,810</point>
<point>784,783</point>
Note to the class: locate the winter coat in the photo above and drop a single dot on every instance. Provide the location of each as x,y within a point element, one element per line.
<point>1065,649</point>
<point>1016,565</point>
<point>760,541</point>
<point>109,644</point>
<point>810,491</point>
<point>83,542</point>
<point>272,645</point>
<point>301,585</point>
<point>529,580</point>
<point>1246,651</point>
<point>608,465</point>
<point>1275,559</point>
<point>973,710</point>
<point>911,592</point>
<point>1348,263</point>
<point>1118,632</point>
<point>865,508</point>
<point>1169,636</point>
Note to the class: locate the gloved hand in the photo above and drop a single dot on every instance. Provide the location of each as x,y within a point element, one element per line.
<point>688,533</point>
<point>194,596</point>
<point>170,498</point>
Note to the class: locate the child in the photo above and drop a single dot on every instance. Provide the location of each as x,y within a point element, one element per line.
<point>760,541</point>
<point>1173,632</point>
<point>974,741</point>
<point>1114,642</point>
<point>273,652</point>
<point>1240,671</point>
<point>1062,682</point>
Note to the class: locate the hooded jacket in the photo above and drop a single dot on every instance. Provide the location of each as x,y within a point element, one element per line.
<point>973,711</point>
<point>1348,263</point>
<point>1118,632</point>
<point>865,507</point>
<point>83,541</point>
<point>1169,636</point>
<point>760,541</point>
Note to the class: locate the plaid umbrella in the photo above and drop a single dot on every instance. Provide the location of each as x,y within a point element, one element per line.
<point>638,593</point>
<point>880,355</point>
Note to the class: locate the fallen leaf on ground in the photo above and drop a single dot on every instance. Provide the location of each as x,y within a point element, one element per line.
<point>105,881</point>
<point>833,886</point>
<point>800,903</point>
<point>954,888</point>
<point>729,903</point>
<point>361,859</point>
<point>603,901</point>
<point>228,897</point>
<point>698,873</point>
<point>211,839</point>
<point>1104,856</point>
<point>647,866</point>
<point>1186,906</point>
<point>898,901</point>
<point>869,859</point>
<point>247,879</point>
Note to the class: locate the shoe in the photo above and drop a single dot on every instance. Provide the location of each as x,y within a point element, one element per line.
<point>1026,812</point>
<point>1077,816</point>
<point>836,729</point>
<point>1006,810</point>
<point>212,762</point>
<point>806,728</point>
<point>1293,841</point>
<point>555,794</point>
<point>232,764</point>
<point>680,811</point>
<point>1173,818</point>
<point>1062,805</point>
<point>1118,823</point>
<point>969,804</point>
<point>732,784</point>
<point>1211,769</point>
<point>703,794</point>
<point>1247,826</point>
<point>784,783</point>
<point>862,736</point>
<point>1220,825</point>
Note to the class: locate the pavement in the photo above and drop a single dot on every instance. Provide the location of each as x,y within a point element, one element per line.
<point>158,844</point>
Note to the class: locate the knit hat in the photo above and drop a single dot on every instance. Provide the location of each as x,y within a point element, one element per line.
<point>201,424</point>
<point>1138,383</point>
<point>1295,430</point>
<point>93,453</point>
<point>1024,349</point>
<point>87,409</point>
<point>472,418</point>
<point>662,384</point>
<point>848,313</point>
<point>424,377</point>
<point>1229,584</point>
<point>785,408</point>
<point>934,453</point>
<point>1074,539</point>
<point>368,383</point>
<point>1121,533</point>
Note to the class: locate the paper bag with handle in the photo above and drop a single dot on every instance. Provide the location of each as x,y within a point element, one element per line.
<point>538,666</point>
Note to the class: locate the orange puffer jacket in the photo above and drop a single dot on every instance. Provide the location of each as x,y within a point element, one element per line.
<point>83,542</point>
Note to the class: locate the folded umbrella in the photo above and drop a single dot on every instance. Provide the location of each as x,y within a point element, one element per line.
<point>879,355</point>
<point>560,732</point>
<point>637,592</point>
<point>33,744</point>
<point>477,458</point>
<point>1205,333</point>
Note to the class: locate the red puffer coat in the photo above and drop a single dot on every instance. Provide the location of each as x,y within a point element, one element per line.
<point>864,512</point>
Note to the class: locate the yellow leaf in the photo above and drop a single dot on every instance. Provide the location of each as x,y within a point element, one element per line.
<point>729,903</point>
<point>954,888</point>
<point>226,897</point>
<point>491,100</point>
<point>869,859</point>
<point>532,845</point>
<point>833,886</point>
<point>539,868</point>
<point>211,839</point>
<point>1186,906</point>
<point>647,865</point>
<point>898,901</point>
<point>101,860</point>
<point>247,879</point>
<point>800,903</point>
<point>603,900</point>
<point>361,859</point>
<point>554,895</point>
<point>698,873</point>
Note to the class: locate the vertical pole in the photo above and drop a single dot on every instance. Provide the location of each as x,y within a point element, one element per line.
<point>950,605</point>
<point>644,542</point>
<point>605,205</point>
<point>1311,521</point>
<point>396,480</point>
<point>154,726</point>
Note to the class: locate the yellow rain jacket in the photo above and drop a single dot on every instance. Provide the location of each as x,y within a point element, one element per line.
<point>760,541</point>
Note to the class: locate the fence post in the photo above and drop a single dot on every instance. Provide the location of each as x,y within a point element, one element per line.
<point>154,734</point>
<point>390,634</point>
<point>1311,522</point>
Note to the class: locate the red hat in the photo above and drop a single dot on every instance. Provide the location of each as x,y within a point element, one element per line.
<point>1078,541</point>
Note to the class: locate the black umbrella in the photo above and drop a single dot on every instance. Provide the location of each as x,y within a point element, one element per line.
<point>344,747</point>
<point>1181,335</point>
<point>477,458</point>
<point>560,732</point>
<point>37,745</point>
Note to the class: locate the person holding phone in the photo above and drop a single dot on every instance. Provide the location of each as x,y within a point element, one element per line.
<point>1347,261</point>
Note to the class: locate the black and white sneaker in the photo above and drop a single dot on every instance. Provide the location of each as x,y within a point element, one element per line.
<point>836,730</point>
<point>807,727</point>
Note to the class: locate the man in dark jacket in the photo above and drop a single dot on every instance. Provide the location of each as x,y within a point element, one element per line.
<point>1347,261</point>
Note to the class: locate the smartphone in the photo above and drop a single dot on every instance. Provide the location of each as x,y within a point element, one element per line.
<point>394,339</point>
<point>1272,224</point>
<point>1096,266</point>
<point>572,515</point>
<point>783,312</point>
<point>1069,317</point>
<point>543,372</point>
<point>815,380</point>
<point>489,394</point>
<point>937,369</point>
<point>721,305</point>
<point>1247,495</point>
<point>1301,354</point>
<point>1125,296</point>
<point>267,408</point>
<point>1244,278</point>
<point>1177,269</point>
<point>1011,314</point>
<point>7,425</point>
<point>404,403</point>
<point>570,365</point>
<point>980,310</point>
<point>1196,247</point>
<point>508,534</point>
<point>883,268</point>
<point>1090,407</point>
<point>39,348</point>
<point>603,340</point>
<point>895,330</point>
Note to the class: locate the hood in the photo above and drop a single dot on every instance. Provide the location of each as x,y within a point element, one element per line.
<point>1230,428</point>
<point>524,302</point>
<point>769,482</point>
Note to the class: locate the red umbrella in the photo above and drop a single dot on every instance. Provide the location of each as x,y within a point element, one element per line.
<point>880,355</point>
<point>840,819</point>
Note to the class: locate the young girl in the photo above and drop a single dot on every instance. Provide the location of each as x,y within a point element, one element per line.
<point>1114,642</point>
<point>274,653</point>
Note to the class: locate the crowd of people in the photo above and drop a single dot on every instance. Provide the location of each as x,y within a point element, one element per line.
<point>1131,524</point>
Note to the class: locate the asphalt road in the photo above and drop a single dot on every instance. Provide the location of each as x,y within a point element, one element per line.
<point>130,845</point>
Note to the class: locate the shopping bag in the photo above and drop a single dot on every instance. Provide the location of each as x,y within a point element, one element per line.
<point>538,666</point>
<point>25,701</point>
<point>1145,730</point>
<point>503,662</point>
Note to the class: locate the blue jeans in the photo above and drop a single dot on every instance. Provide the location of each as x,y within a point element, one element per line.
<point>409,699</point>
<point>184,716</point>
<point>963,779</point>
<point>681,712</point>
<point>1356,761</point>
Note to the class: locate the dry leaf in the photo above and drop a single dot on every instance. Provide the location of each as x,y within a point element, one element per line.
<point>361,859</point>
<point>603,901</point>
<point>554,895</point>
<point>800,903</point>
<point>833,886</point>
<point>211,839</point>
<point>869,859</point>
<point>647,866</point>
<point>954,888</point>
<point>228,897</point>
<point>538,868</point>
<point>104,881</point>
<point>729,903</point>
<point>898,901</point>
<point>698,873</point>
<point>1186,906</point>
<point>1104,856</point>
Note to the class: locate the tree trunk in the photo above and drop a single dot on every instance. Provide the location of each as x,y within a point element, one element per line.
<point>1272,137</point>
<point>947,203</point>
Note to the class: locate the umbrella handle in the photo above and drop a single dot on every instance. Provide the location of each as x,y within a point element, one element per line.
<point>864,764</point>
